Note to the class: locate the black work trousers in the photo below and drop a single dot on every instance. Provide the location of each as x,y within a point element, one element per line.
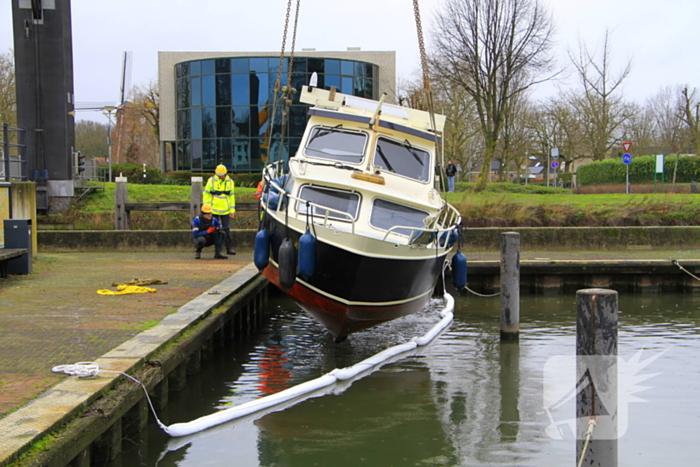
<point>225,222</point>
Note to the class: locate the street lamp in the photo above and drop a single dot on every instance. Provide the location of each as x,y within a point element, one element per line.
<point>109,109</point>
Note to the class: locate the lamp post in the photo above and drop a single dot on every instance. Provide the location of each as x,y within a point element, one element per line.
<point>109,109</point>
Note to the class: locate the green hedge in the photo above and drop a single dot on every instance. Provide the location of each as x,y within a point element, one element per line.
<point>642,170</point>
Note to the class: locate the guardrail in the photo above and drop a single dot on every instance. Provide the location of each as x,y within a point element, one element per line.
<point>123,207</point>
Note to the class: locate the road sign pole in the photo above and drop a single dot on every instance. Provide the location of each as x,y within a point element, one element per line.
<point>627,179</point>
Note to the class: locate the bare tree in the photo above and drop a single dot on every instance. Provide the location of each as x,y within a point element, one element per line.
<point>494,50</point>
<point>689,113</point>
<point>91,138</point>
<point>8,96</point>
<point>600,105</point>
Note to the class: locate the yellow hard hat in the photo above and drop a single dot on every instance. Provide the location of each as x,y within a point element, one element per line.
<point>206,208</point>
<point>220,169</point>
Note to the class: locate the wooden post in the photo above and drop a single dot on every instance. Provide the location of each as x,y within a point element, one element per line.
<point>596,377</point>
<point>510,285</point>
<point>121,196</point>
<point>196,197</point>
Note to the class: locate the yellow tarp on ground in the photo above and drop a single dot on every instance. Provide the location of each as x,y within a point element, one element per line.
<point>126,289</point>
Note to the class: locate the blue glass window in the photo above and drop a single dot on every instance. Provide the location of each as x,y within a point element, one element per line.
<point>184,156</point>
<point>208,90</point>
<point>346,67</point>
<point>241,118</point>
<point>182,70</point>
<point>274,65</point>
<point>333,67</point>
<point>195,68</point>
<point>316,64</point>
<point>332,80</point>
<point>196,115</point>
<point>207,67</point>
<point>223,89</point>
<point>225,154</point>
<point>240,154</point>
<point>196,91</point>
<point>208,153</point>
<point>258,65</point>
<point>347,85</point>
<point>208,122</point>
<point>240,89</point>
<point>183,124</point>
<point>363,69</point>
<point>223,65</point>
<point>183,93</point>
<point>239,65</point>
<point>223,122</point>
<point>197,154</point>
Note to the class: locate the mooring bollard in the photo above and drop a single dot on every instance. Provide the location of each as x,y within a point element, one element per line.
<point>596,377</point>
<point>121,195</point>
<point>510,285</point>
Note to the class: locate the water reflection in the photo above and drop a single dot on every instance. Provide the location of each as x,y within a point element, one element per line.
<point>466,399</point>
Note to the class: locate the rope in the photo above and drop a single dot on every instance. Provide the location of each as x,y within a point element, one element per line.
<point>243,220</point>
<point>91,370</point>
<point>684,269</point>
<point>591,424</point>
<point>481,295</point>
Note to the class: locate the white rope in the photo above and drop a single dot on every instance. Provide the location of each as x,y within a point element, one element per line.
<point>685,270</point>
<point>91,369</point>
<point>591,424</point>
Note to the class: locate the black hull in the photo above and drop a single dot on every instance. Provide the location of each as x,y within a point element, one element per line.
<point>350,292</point>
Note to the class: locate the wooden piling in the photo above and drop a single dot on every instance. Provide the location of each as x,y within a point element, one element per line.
<point>596,377</point>
<point>195,197</point>
<point>510,285</point>
<point>121,196</point>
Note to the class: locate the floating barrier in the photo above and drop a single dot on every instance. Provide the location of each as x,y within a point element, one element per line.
<point>294,394</point>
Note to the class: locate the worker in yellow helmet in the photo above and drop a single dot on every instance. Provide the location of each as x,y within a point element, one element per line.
<point>206,231</point>
<point>219,193</point>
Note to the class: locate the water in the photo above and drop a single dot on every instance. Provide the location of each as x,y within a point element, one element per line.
<point>464,400</point>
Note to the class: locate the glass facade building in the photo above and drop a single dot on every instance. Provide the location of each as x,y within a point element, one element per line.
<point>224,107</point>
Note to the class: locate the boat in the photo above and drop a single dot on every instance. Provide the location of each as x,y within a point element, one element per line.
<point>352,227</point>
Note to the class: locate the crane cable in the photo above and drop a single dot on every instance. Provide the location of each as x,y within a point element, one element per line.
<point>286,101</point>
<point>426,86</point>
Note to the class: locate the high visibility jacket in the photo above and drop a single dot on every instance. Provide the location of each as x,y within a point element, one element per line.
<point>220,194</point>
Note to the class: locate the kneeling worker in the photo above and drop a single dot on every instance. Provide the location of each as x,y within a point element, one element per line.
<point>206,231</point>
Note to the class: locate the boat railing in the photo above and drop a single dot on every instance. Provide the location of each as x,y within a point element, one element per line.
<point>328,210</point>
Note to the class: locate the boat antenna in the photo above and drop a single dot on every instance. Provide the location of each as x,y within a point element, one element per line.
<point>427,89</point>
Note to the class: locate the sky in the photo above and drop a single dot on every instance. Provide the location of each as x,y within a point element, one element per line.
<point>660,38</point>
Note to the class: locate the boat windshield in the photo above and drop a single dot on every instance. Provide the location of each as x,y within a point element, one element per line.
<point>336,144</point>
<point>403,159</point>
<point>342,201</point>
<point>386,215</point>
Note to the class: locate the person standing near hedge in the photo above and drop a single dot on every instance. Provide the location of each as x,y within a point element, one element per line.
<point>219,193</point>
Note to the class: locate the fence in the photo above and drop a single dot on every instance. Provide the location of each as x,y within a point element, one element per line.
<point>123,208</point>
<point>13,155</point>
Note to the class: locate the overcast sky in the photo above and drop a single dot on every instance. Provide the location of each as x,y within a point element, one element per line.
<point>659,37</point>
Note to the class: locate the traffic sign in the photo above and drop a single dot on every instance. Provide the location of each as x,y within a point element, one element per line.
<point>627,147</point>
<point>555,153</point>
<point>626,158</point>
<point>555,164</point>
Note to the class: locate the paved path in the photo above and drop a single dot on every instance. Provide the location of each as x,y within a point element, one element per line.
<point>55,316</point>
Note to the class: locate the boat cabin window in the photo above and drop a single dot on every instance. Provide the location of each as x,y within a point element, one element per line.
<point>386,215</point>
<point>403,159</point>
<point>336,144</point>
<point>336,200</point>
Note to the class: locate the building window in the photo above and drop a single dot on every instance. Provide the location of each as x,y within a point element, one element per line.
<point>223,107</point>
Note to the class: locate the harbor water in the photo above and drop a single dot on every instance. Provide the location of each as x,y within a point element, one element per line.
<point>464,400</point>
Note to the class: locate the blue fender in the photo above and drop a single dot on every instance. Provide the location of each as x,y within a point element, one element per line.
<point>307,255</point>
<point>459,270</point>
<point>261,251</point>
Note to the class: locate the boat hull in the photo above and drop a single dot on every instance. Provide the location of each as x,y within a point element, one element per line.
<point>350,291</point>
